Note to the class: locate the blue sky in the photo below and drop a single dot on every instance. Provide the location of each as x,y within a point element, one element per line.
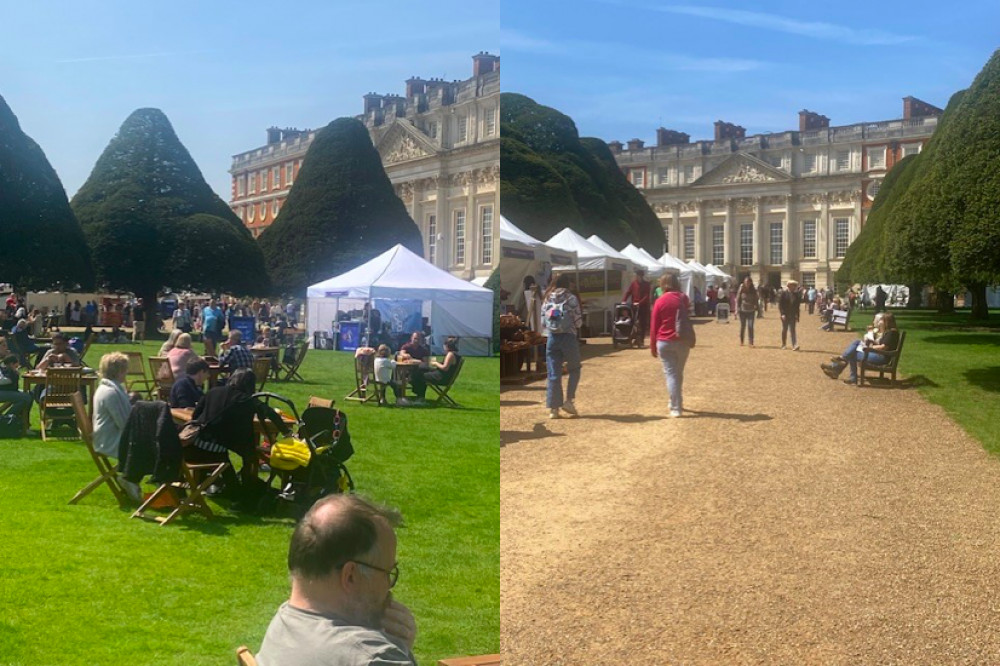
<point>622,68</point>
<point>222,71</point>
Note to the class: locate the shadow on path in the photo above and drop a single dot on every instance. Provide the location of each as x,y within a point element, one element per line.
<point>623,418</point>
<point>538,432</point>
<point>518,403</point>
<point>730,417</point>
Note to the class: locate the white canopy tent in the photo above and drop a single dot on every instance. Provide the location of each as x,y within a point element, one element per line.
<point>712,277</point>
<point>455,307</point>
<point>597,298</point>
<point>684,272</point>
<point>521,255</point>
<point>726,277</point>
<point>641,258</point>
<point>611,252</point>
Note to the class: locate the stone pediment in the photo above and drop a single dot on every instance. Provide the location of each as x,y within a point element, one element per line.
<point>742,169</point>
<point>404,142</point>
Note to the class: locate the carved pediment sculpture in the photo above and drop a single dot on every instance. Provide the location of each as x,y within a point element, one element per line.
<point>742,169</point>
<point>403,142</point>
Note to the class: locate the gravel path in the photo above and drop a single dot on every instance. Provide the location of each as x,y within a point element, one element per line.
<point>787,519</point>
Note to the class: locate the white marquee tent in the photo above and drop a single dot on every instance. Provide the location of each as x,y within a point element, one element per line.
<point>590,257</point>
<point>454,306</point>
<point>520,255</point>
<point>684,272</point>
<point>640,257</point>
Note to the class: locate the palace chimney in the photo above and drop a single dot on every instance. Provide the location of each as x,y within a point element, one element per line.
<point>665,137</point>
<point>809,120</point>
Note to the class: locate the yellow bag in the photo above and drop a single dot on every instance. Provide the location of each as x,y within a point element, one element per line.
<point>289,453</point>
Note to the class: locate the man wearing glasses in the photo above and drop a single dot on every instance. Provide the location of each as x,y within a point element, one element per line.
<point>342,561</point>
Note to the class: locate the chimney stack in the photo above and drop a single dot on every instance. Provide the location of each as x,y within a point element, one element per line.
<point>915,108</point>
<point>636,144</point>
<point>665,137</point>
<point>415,86</point>
<point>615,147</point>
<point>484,63</point>
<point>373,101</point>
<point>726,131</point>
<point>273,135</point>
<point>809,120</point>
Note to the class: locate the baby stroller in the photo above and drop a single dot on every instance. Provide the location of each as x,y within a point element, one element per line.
<point>312,465</point>
<point>626,331</point>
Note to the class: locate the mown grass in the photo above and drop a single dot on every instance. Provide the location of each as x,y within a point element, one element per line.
<point>955,363</point>
<point>86,584</point>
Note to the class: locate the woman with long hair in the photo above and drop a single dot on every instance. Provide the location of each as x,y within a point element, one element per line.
<point>665,341</point>
<point>562,317</point>
<point>747,300</point>
<point>886,342</point>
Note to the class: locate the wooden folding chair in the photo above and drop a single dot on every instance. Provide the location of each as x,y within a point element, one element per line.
<point>244,657</point>
<point>57,400</point>
<point>106,469</point>
<point>364,379</point>
<point>137,374</point>
<point>442,389</point>
<point>292,369</point>
<point>261,369</point>
<point>163,376</point>
<point>193,500</point>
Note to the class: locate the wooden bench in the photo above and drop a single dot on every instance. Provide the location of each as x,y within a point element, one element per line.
<point>482,660</point>
<point>889,367</point>
<point>840,318</point>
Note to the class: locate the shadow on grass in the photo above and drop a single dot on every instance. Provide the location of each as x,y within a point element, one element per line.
<point>965,339</point>
<point>728,417</point>
<point>623,418</point>
<point>538,432</point>
<point>915,381</point>
<point>987,379</point>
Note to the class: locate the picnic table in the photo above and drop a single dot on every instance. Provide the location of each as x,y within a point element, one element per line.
<point>404,369</point>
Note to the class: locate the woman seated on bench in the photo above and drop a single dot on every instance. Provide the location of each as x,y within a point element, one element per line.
<point>826,314</point>
<point>880,349</point>
<point>439,374</point>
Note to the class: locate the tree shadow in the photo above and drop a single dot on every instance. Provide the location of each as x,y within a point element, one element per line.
<point>538,432</point>
<point>746,418</point>
<point>965,339</point>
<point>987,379</point>
<point>623,418</point>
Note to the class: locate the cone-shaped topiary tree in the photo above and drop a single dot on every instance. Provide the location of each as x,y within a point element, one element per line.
<point>152,221</point>
<point>550,178</point>
<point>43,244</point>
<point>341,212</point>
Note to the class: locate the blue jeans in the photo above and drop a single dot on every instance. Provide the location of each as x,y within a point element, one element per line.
<point>746,325</point>
<point>788,325</point>
<point>856,352</point>
<point>561,348</point>
<point>673,355</point>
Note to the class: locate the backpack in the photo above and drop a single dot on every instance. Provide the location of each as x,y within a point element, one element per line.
<point>558,319</point>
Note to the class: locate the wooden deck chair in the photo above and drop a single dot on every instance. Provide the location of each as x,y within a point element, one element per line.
<point>163,376</point>
<point>56,404</point>
<point>442,389</point>
<point>136,374</point>
<point>106,469</point>
<point>244,657</point>
<point>86,345</point>
<point>261,369</point>
<point>364,379</point>
<point>196,480</point>
<point>291,370</point>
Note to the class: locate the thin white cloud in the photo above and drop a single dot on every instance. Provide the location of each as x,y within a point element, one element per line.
<point>775,22</point>
<point>520,42</point>
<point>130,56</point>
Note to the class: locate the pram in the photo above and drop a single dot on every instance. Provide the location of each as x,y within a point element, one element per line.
<point>306,475</point>
<point>626,328</point>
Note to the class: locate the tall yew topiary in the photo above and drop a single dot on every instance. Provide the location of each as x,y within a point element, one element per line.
<point>152,221</point>
<point>43,244</point>
<point>341,212</point>
<point>550,178</point>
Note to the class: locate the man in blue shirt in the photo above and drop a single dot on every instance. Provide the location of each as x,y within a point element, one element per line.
<point>211,327</point>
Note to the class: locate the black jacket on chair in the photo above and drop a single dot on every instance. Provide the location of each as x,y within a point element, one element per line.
<point>149,444</point>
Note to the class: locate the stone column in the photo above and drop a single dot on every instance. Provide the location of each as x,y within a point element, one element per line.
<point>789,251</point>
<point>443,246</point>
<point>699,230</point>
<point>822,242</point>
<point>760,238</point>
<point>471,226</point>
<point>731,236</point>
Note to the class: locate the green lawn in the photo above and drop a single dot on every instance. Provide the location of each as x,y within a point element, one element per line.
<point>86,584</point>
<point>955,364</point>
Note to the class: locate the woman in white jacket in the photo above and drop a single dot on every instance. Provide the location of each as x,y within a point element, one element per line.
<point>111,404</point>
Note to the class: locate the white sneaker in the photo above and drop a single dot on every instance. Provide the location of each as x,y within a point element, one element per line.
<point>570,409</point>
<point>783,346</point>
<point>554,413</point>
<point>795,348</point>
<point>131,489</point>
<point>675,413</point>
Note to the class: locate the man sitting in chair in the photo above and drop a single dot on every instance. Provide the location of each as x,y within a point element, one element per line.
<point>342,561</point>
<point>236,355</point>
<point>60,353</point>
<point>416,348</point>
<point>20,401</point>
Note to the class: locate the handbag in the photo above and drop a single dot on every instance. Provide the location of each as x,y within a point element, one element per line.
<point>685,329</point>
<point>190,432</point>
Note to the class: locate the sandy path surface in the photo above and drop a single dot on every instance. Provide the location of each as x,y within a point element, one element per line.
<point>787,519</point>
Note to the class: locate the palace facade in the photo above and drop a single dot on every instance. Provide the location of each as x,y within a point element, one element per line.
<point>440,146</point>
<point>775,206</point>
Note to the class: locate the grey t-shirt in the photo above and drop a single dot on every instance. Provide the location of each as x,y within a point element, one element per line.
<point>299,637</point>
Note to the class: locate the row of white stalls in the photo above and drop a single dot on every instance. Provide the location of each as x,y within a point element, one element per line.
<point>602,274</point>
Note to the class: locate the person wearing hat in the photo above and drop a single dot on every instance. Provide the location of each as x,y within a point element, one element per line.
<point>788,307</point>
<point>639,292</point>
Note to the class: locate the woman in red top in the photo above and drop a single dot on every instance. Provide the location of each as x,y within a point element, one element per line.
<point>664,341</point>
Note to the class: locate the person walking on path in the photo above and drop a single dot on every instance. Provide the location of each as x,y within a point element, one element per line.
<point>562,317</point>
<point>639,292</point>
<point>788,307</point>
<point>665,341</point>
<point>748,301</point>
